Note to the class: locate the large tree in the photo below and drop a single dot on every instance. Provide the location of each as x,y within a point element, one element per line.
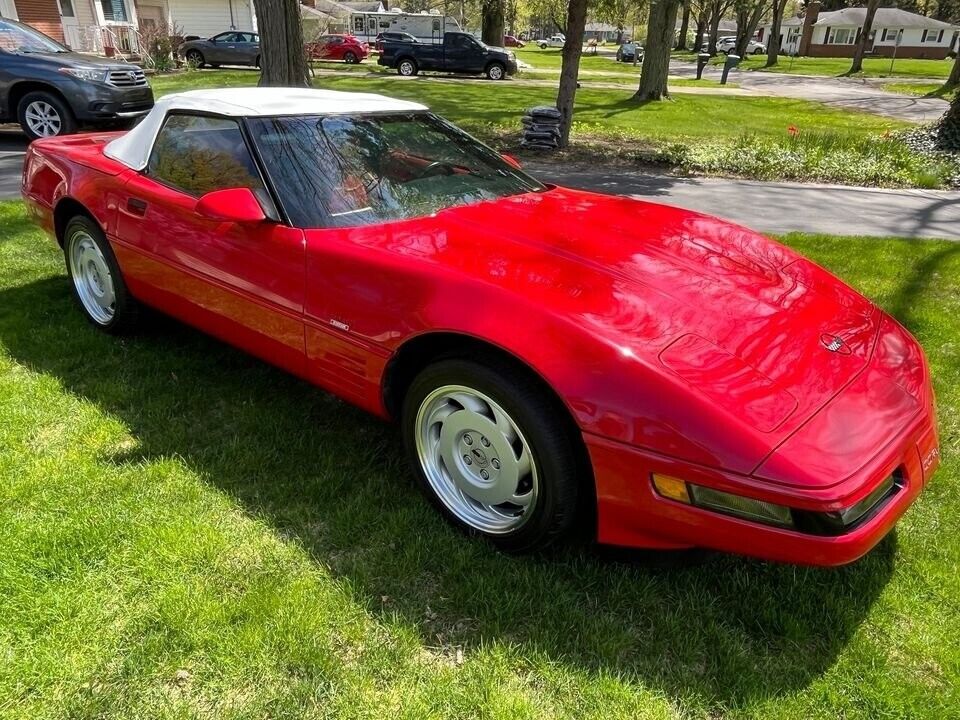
<point>656,59</point>
<point>773,42</point>
<point>948,130</point>
<point>570,65</point>
<point>864,38</point>
<point>717,9</point>
<point>684,27</point>
<point>954,78</point>
<point>282,57</point>
<point>491,29</point>
<point>748,14</point>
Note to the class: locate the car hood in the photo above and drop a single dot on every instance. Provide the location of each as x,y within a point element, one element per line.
<point>741,322</point>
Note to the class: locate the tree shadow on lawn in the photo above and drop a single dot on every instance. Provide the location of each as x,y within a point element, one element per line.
<point>716,635</point>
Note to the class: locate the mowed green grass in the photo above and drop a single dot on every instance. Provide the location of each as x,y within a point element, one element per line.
<point>188,532</point>
<point>477,103</point>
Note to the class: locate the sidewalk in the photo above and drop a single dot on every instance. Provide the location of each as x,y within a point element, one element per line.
<point>778,207</point>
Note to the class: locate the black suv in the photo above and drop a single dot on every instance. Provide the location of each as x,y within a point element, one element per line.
<point>51,91</point>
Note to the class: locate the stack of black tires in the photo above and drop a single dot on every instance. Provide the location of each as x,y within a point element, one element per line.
<point>541,128</point>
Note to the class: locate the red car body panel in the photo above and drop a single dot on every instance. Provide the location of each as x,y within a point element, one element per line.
<point>681,344</point>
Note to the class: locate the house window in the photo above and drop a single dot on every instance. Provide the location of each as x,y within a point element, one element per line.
<point>841,36</point>
<point>114,11</point>
<point>890,34</point>
<point>931,36</point>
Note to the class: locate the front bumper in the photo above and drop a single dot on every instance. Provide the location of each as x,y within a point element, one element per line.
<point>630,512</point>
<point>98,102</point>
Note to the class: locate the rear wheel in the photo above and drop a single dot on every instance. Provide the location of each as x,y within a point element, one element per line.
<point>98,286</point>
<point>492,453</point>
<point>496,71</point>
<point>43,114</point>
<point>195,57</point>
<point>407,67</point>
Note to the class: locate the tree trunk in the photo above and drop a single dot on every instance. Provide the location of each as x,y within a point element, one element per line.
<point>492,23</point>
<point>656,60</point>
<point>864,38</point>
<point>716,15</point>
<point>570,66</point>
<point>773,42</point>
<point>701,31</point>
<point>283,61</point>
<point>954,78</point>
<point>748,17</point>
<point>684,27</point>
<point>948,132</point>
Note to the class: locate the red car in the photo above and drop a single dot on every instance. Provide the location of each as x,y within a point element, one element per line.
<point>553,357</point>
<point>511,41</point>
<point>339,47</point>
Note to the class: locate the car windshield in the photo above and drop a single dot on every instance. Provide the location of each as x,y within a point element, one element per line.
<point>21,39</point>
<point>340,171</point>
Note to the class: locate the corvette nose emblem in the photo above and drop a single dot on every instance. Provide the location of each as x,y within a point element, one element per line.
<point>832,343</point>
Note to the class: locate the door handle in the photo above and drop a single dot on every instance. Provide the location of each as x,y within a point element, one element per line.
<point>135,206</point>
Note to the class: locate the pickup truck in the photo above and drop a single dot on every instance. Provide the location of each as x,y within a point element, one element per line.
<point>458,53</point>
<point>555,41</point>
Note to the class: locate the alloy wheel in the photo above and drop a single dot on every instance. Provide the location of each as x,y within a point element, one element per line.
<point>43,119</point>
<point>91,277</point>
<point>476,459</point>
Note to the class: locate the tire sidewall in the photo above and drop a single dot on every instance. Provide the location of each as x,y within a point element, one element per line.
<point>349,58</point>
<point>67,123</point>
<point>491,71</point>
<point>125,309</point>
<point>549,443</point>
<point>408,63</point>
<point>195,56</point>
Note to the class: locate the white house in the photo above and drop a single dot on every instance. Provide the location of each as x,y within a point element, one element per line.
<point>834,34</point>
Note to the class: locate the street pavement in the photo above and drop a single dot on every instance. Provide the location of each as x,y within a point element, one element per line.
<point>764,206</point>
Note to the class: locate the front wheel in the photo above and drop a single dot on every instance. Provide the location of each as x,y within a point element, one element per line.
<point>758,51</point>
<point>492,453</point>
<point>43,114</point>
<point>349,58</point>
<point>496,71</point>
<point>98,286</point>
<point>543,46</point>
<point>407,68</point>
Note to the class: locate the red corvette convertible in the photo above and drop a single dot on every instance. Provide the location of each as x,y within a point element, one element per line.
<point>553,357</point>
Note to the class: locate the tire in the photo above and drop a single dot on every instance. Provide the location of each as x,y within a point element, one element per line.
<point>619,56</point>
<point>473,445</point>
<point>195,57</point>
<point>349,58</point>
<point>543,46</point>
<point>44,114</point>
<point>92,267</point>
<point>495,71</point>
<point>407,67</point>
<point>758,51</point>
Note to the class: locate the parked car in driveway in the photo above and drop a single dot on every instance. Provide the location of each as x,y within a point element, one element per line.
<point>394,37</point>
<point>51,91</point>
<point>458,53</point>
<point>511,41</point>
<point>553,357</point>
<point>347,48</point>
<point>555,41</point>
<point>630,52</point>
<point>228,48</point>
<point>728,44</point>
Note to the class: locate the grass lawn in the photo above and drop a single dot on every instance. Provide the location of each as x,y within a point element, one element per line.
<point>872,67</point>
<point>552,58</point>
<point>920,89</point>
<point>188,532</point>
<point>477,103</point>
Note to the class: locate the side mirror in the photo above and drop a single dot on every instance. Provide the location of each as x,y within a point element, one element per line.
<point>231,205</point>
<point>511,160</point>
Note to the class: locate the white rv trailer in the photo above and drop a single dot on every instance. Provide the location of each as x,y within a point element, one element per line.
<point>425,26</point>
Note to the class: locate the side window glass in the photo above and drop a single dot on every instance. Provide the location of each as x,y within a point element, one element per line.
<point>198,154</point>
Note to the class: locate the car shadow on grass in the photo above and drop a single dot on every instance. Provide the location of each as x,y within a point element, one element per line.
<point>715,635</point>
